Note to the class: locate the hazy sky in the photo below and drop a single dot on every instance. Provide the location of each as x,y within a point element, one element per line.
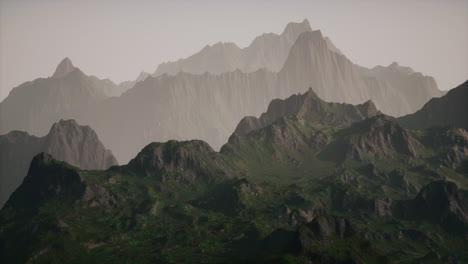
<point>118,39</point>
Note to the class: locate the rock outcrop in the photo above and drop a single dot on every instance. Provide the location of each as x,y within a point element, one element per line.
<point>186,161</point>
<point>322,227</point>
<point>378,137</point>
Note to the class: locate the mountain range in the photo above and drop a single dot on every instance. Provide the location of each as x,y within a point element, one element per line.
<point>268,51</point>
<point>307,182</point>
<point>66,140</point>
<point>175,104</point>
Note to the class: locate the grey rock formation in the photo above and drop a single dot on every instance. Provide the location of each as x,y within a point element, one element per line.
<point>66,140</point>
<point>449,110</point>
<point>185,161</point>
<point>310,107</point>
<point>378,137</point>
<point>324,226</point>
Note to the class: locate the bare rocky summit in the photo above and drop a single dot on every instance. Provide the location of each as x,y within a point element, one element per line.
<point>308,106</point>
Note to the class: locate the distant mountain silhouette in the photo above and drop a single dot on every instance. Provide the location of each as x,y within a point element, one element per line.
<point>34,106</point>
<point>208,106</point>
<point>267,51</point>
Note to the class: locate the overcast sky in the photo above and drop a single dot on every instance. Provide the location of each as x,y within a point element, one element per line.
<point>118,39</point>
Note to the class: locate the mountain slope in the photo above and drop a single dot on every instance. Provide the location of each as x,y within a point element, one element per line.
<point>66,140</point>
<point>448,110</point>
<point>310,107</point>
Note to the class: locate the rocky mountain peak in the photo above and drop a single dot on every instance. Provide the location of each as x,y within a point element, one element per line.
<point>64,125</point>
<point>294,28</point>
<point>379,136</point>
<point>64,68</point>
<point>184,161</point>
<point>66,136</point>
<point>310,107</point>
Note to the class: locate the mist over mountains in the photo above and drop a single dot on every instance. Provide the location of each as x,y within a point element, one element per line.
<point>311,180</point>
<point>268,51</point>
<point>204,96</point>
<point>281,152</point>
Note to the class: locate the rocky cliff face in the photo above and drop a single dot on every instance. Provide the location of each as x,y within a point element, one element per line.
<point>66,140</point>
<point>310,107</point>
<point>449,110</point>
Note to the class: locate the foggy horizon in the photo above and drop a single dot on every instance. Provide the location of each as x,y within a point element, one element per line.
<point>35,37</point>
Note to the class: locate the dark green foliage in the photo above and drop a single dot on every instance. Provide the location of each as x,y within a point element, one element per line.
<point>292,192</point>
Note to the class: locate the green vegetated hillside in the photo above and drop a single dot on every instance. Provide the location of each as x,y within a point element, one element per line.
<point>296,190</point>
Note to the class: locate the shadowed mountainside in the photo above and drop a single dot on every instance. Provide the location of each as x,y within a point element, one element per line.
<point>66,140</point>
<point>448,110</point>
